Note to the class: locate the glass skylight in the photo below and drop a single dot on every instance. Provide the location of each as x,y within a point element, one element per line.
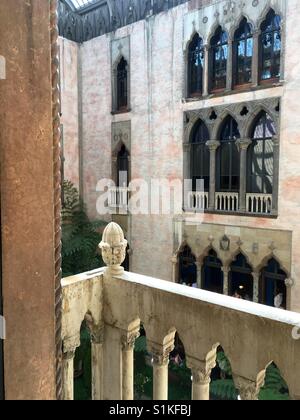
<point>80,4</point>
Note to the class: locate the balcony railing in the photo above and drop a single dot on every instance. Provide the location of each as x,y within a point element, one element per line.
<point>197,201</point>
<point>227,201</point>
<point>118,198</point>
<point>114,303</point>
<point>259,203</point>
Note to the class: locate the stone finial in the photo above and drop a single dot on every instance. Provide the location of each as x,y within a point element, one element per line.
<point>113,248</point>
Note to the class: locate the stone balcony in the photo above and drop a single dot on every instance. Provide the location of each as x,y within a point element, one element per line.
<point>115,304</point>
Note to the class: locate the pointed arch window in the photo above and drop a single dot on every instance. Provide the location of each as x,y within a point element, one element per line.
<point>270,46</point>
<point>229,157</point>
<point>195,66</point>
<point>122,85</point>
<point>212,274</point>
<point>218,59</point>
<point>200,157</point>
<point>241,279</point>
<point>273,291</point>
<point>261,156</point>
<point>243,54</point>
<point>187,267</point>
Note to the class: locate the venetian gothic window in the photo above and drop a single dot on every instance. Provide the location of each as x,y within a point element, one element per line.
<point>212,274</point>
<point>243,54</point>
<point>122,85</point>
<point>241,279</point>
<point>270,46</point>
<point>195,66</point>
<point>272,285</point>
<point>229,156</point>
<point>218,59</point>
<point>123,168</point>
<point>261,156</point>
<point>200,156</point>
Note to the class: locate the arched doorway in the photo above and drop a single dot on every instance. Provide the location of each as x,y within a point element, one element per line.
<point>187,267</point>
<point>212,275</point>
<point>241,279</point>
<point>273,290</point>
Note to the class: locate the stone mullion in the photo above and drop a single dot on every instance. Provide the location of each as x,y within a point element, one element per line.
<point>213,146</point>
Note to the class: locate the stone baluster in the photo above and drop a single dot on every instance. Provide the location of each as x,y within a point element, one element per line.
<point>201,377</point>
<point>213,146</point>
<point>128,342</point>
<point>69,349</point>
<point>160,362</point>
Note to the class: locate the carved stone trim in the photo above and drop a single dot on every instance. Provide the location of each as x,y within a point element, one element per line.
<point>248,389</point>
<point>128,340</point>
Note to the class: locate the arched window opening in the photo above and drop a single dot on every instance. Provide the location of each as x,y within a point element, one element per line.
<point>229,157</point>
<point>187,267</point>
<point>275,388</point>
<point>273,290</point>
<point>122,85</point>
<point>83,366</point>
<point>261,156</point>
<point>123,168</point>
<point>143,370</point>
<point>218,59</point>
<point>195,66</point>
<point>200,156</point>
<point>243,54</point>
<point>241,279</point>
<point>212,274</point>
<point>222,387</point>
<point>270,47</point>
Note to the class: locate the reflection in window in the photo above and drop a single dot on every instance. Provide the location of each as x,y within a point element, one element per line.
<point>271,46</point>
<point>243,53</point>
<point>261,156</point>
<point>122,85</point>
<point>200,156</point>
<point>195,66</point>
<point>229,157</point>
<point>219,55</point>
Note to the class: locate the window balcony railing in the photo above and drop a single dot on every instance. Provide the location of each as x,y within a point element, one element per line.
<point>197,201</point>
<point>227,202</point>
<point>259,203</point>
<point>114,304</point>
<point>118,198</point>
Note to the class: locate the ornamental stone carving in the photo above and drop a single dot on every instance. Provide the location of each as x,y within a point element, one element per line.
<point>248,390</point>
<point>113,248</point>
<point>128,340</point>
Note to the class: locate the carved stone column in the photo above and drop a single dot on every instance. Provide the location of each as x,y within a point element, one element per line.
<point>113,248</point>
<point>255,276</point>
<point>186,173</point>
<point>243,145</point>
<point>201,377</point>
<point>213,146</point>
<point>229,66</point>
<point>199,274</point>
<point>249,390</point>
<point>276,146</point>
<point>69,349</point>
<point>225,280</point>
<point>160,361</point>
<point>290,283</point>
<point>206,71</point>
<point>174,262</point>
<point>128,342</point>
<point>255,59</point>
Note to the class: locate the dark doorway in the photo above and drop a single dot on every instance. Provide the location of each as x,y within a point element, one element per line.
<point>212,274</point>
<point>187,267</point>
<point>241,279</point>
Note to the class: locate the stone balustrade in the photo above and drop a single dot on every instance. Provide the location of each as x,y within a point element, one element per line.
<point>115,304</point>
<point>259,203</point>
<point>227,202</point>
<point>118,198</point>
<point>198,201</point>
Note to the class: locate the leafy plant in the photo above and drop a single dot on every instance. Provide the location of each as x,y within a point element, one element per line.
<point>275,387</point>
<point>80,236</point>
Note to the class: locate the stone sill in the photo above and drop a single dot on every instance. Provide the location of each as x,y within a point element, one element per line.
<point>234,92</point>
<point>234,213</point>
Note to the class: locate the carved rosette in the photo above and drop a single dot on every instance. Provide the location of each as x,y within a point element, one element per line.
<point>113,248</point>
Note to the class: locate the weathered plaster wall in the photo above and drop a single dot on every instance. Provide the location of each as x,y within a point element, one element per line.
<point>157,88</point>
<point>69,108</point>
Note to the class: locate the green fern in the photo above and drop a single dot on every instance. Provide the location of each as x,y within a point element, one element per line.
<point>80,236</point>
